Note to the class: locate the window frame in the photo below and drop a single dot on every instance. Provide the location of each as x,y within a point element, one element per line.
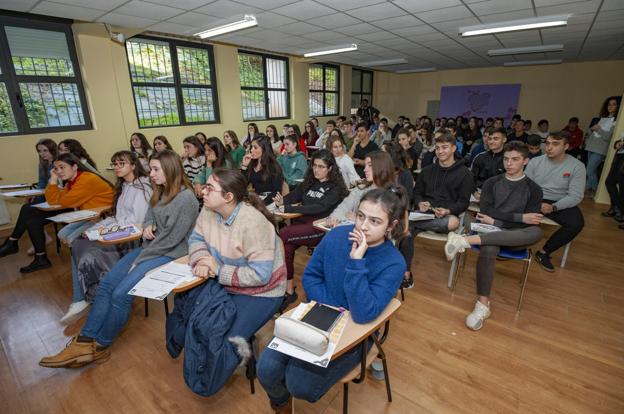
<point>325,91</point>
<point>177,83</point>
<point>11,80</point>
<point>265,88</point>
<point>360,93</point>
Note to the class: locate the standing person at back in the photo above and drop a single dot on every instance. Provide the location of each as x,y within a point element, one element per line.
<point>562,178</point>
<point>597,143</point>
<point>366,112</point>
<point>362,145</point>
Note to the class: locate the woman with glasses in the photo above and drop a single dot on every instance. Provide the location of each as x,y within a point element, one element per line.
<point>320,192</point>
<point>167,225</point>
<point>92,260</point>
<point>82,190</point>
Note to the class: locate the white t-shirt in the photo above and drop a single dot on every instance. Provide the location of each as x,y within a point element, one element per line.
<point>349,175</point>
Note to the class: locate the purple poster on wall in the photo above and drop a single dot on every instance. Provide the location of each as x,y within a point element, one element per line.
<point>480,100</point>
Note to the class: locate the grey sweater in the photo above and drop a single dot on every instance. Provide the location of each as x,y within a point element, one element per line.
<point>174,223</point>
<point>350,203</point>
<point>562,182</point>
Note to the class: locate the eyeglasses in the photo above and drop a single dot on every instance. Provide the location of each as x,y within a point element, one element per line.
<point>113,229</point>
<point>118,164</point>
<point>210,189</point>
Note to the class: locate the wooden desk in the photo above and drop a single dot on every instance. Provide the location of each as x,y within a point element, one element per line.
<point>24,193</point>
<point>320,225</point>
<point>96,210</point>
<point>50,207</point>
<point>286,216</point>
<point>186,286</point>
<point>127,239</point>
<point>7,187</point>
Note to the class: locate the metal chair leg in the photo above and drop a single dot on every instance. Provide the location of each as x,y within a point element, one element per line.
<point>381,354</point>
<point>564,259</point>
<point>402,294</point>
<point>146,308</point>
<point>525,278</point>
<point>459,269</point>
<point>166,303</point>
<point>58,241</point>
<point>345,398</point>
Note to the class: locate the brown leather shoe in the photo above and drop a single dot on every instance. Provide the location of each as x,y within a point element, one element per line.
<point>76,354</point>
<point>284,409</point>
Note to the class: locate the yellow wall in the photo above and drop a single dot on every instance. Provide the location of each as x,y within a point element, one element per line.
<point>554,92</point>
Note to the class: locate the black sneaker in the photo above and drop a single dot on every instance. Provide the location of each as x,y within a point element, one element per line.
<point>408,283</point>
<point>544,260</point>
<point>8,247</point>
<point>289,299</point>
<point>609,213</point>
<point>40,262</point>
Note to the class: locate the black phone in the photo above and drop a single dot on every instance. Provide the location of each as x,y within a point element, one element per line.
<point>322,317</point>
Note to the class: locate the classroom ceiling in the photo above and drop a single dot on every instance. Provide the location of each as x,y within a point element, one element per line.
<point>424,32</point>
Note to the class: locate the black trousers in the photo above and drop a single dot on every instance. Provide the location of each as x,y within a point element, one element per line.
<point>33,220</point>
<point>615,182</point>
<point>571,221</point>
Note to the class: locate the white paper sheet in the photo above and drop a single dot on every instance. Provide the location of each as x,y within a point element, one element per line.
<point>13,186</point>
<point>24,193</point>
<point>158,283</point>
<point>483,228</point>
<point>294,351</point>
<point>418,216</point>
<point>74,216</point>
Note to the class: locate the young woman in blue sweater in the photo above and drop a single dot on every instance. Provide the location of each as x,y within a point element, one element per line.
<point>355,267</point>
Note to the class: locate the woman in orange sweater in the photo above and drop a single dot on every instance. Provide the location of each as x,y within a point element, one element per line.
<point>82,190</point>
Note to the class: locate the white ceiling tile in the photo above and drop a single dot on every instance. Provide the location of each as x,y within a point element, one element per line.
<point>227,9</point>
<point>106,5</point>
<point>322,35</point>
<point>449,13</point>
<point>528,38</point>
<point>49,8</point>
<point>376,12</point>
<point>349,4</point>
<point>180,4</point>
<point>542,3</point>
<point>417,6</point>
<point>18,5</point>
<point>126,21</point>
<point>452,26</point>
<point>413,31</point>
<point>305,9</point>
<point>332,21</point>
<point>168,27</point>
<point>272,20</point>
<point>395,43</point>
<point>513,15</point>
<point>357,29</point>
<point>398,22</point>
<point>610,15</point>
<point>373,37</point>
<point>499,6</point>
<point>612,5</point>
<point>148,10</point>
<point>297,28</point>
<point>195,19</point>
<point>581,18</point>
<point>573,8</point>
<point>266,4</point>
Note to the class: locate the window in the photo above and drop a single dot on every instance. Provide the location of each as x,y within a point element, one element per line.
<point>40,85</point>
<point>173,82</point>
<point>264,86</point>
<point>362,87</point>
<point>324,81</point>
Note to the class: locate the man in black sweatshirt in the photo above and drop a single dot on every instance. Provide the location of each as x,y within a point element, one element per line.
<point>490,163</point>
<point>512,202</point>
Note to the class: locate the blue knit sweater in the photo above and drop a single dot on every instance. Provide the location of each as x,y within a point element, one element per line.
<point>363,286</point>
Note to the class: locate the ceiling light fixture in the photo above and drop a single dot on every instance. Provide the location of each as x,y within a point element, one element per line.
<point>515,25</point>
<point>248,21</point>
<point>416,70</point>
<point>534,62</point>
<point>336,49</point>
<point>525,50</point>
<point>386,62</point>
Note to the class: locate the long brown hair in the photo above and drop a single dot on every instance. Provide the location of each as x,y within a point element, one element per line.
<point>394,201</point>
<point>75,147</point>
<point>137,170</point>
<point>233,181</point>
<point>234,138</point>
<point>44,166</point>
<point>171,164</point>
<point>383,168</point>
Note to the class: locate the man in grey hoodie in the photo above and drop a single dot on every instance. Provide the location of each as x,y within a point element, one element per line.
<point>562,178</point>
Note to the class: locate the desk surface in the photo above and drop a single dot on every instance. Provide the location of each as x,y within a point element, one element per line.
<point>130,238</point>
<point>287,215</point>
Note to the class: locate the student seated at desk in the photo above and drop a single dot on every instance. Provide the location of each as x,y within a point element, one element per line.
<point>337,145</point>
<point>74,147</point>
<point>234,147</point>
<point>534,142</point>
<point>46,149</point>
<point>320,192</point>
<point>234,242</point>
<point>82,190</point>
<point>490,163</point>
<point>167,226</point>
<point>362,146</point>
<point>140,145</point>
<point>355,267</point>
<point>293,162</point>
<point>161,143</point>
<point>193,160</point>
<point>262,170</point>
<point>92,260</point>
<point>512,202</point>
<point>216,157</point>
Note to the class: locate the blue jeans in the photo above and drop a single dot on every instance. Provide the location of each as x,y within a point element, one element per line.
<point>593,162</point>
<point>112,306</point>
<point>77,293</point>
<point>72,231</point>
<point>282,376</point>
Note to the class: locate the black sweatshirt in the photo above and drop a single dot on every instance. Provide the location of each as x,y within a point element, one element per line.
<point>319,200</point>
<point>486,165</point>
<point>272,185</point>
<point>506,201</point>
<point>445,187</point>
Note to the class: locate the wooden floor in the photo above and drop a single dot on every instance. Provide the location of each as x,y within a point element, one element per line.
<point>564,353</point>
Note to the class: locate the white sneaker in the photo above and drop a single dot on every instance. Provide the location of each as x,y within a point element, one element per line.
<point>75,312</point>
<point>48,240</point>
<point>477,317</point>
<point>455,244</point>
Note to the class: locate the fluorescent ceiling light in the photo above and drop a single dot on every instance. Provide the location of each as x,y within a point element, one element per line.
<point>416,70</point>
<point>515,25</point>
<point>248,21</point>
<point>386,62</point>
<point>534,62</point>
<point>524,50</point>
<point>336,49</point>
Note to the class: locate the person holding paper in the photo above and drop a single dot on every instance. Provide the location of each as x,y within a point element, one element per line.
<point>83,190</point>
<point>168,223</point>
<point>512,202</point>
<point>90,260</point>
<point>355,267</point>
<point>597,143</point>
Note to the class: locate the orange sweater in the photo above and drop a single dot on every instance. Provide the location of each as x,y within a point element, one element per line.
<point>88,191</point>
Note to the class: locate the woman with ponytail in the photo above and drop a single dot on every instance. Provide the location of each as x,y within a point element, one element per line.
<point>355,267</point>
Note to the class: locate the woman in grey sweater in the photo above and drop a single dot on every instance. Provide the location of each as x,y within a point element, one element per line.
<point>168,223</point>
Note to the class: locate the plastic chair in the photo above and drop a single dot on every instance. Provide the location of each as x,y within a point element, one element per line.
<point>566,250</point>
